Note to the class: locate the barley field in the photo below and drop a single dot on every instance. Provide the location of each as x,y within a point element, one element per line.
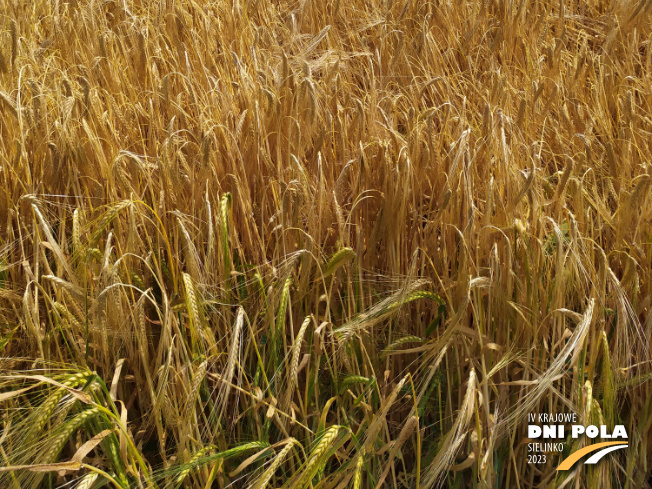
<point>327,245</point>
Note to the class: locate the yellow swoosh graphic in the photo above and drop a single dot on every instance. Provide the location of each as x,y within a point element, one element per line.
<point>574,457</point>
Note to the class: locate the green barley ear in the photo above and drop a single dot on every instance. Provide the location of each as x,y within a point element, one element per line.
<point>198,328</point>
<point>384,309</point>
<point>201,458</point>
<point>64,433</point>
<point>137,280</point>
<point>264,479</point>
<point>357,476</point>
<point>193,463</point>
<point>296,351</point>
<point>192,306</point>
<point>319,456</point>
<point>224,222</point>
<point>402,341</point>
<point>337,260</point>
<point>44,412</point>
<point>279,326</point>
<point>109,215</point>
<point>351,380</point>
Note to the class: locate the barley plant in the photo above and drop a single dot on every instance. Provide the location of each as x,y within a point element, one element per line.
<point>304,244</point>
